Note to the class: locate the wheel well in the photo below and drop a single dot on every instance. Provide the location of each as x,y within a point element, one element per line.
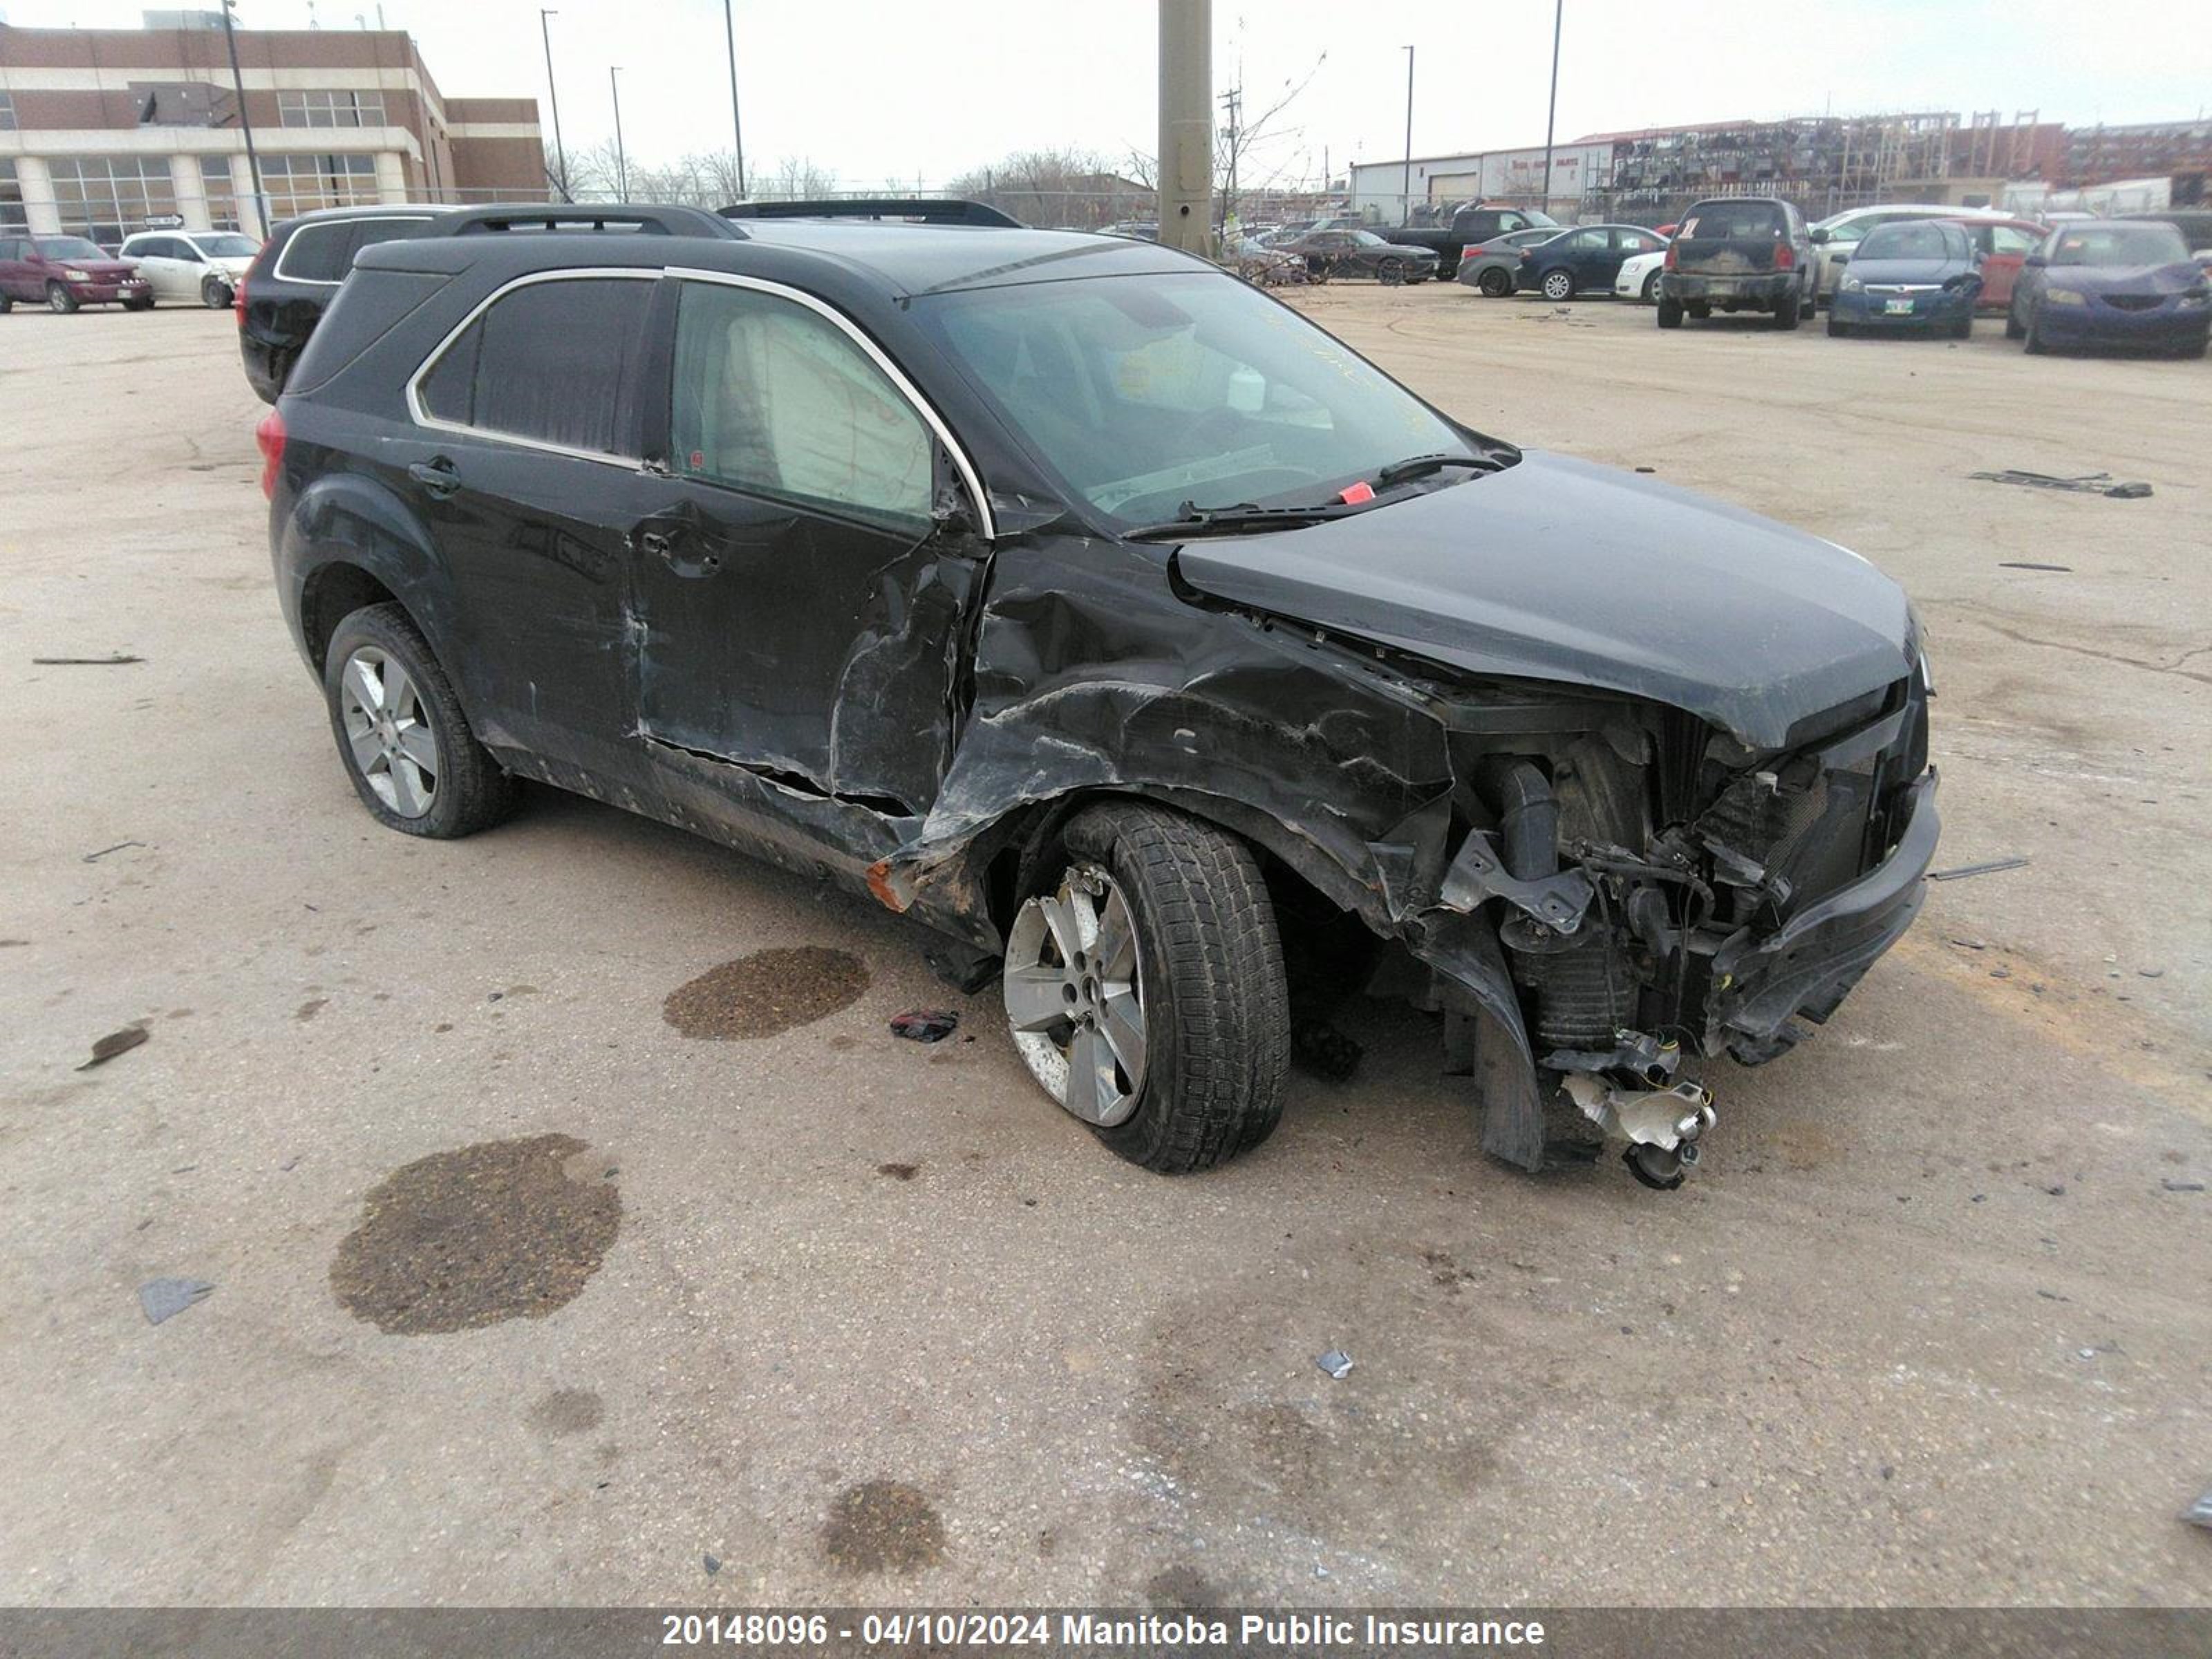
<point>333,594</point>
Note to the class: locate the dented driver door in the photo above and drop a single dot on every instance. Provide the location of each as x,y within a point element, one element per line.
<point>799,613</point>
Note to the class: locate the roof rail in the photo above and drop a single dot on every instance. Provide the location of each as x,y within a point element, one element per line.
<point>635,218</point>
<point>930,210</point>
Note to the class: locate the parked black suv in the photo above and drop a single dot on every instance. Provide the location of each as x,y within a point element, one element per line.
<point>1741,253</point>
<point>291,281</point>
<point>1076,599</point>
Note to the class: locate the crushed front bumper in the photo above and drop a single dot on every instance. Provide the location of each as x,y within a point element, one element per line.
<point>1761,982</point>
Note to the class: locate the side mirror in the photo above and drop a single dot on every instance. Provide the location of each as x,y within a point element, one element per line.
<point>2035,262</point>
<point>1819,237</point>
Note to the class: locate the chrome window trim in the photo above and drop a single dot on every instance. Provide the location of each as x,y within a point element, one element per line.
<point>986,522</point>
<point>422,417</point>
<point>282,276</point>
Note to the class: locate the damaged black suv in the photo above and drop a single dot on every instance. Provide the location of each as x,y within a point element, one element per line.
<point>1080,601</point>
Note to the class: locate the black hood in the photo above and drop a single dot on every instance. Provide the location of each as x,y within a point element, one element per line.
<point>1560,569</point>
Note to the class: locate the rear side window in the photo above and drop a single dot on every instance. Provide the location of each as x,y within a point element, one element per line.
<point>1733,221</point>
<point>551,362</point>
<point>369,232</point>
<point>774,400</point>
<point>318,254</point>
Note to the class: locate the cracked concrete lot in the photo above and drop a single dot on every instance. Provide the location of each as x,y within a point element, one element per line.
<point>523,1294</point>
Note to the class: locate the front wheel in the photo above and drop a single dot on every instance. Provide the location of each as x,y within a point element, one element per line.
<point>2035,345</point>
<point>1144,985</point>
<point>409,749</point>
<point>1651,289</point>
<point>215,294</point>
<point>59,299</point>
<point>1390,272</point>
<point>2013,329</point>
<point>1964,328</point>
<point>1558,285</point>
<point>1836,330</point>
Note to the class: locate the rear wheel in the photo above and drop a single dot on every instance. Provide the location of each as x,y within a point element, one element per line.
<point>1670,312</point>
<point>413,758</point>
<point>7,305</point>
<point>1785,310</point>
<point>1145,989</point>
<point>1495,283</point>
<point>1558,285</point>
<point>59,299</point>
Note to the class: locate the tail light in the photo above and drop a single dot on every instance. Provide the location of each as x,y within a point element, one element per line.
<point>269,434</point>
<point>1472,251</point>
<point>238,294</point>
<point>1785,257</point>
<point>1668,262</point>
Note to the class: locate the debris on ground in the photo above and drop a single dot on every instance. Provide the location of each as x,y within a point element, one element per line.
<point>925,1024</point>
<point>1319,1048</point>
<point>165,1298</point>
<point>2173,1186</point>
<point>95,858</point>
<point>1965,870</point>
<point>2199,1514</point>
<point>2029,564</point>
<point>1336,1363</point>
<point>115,661</point>
<point>114,1043</point>
<point>713,1564</point>
<point>2085,484</point>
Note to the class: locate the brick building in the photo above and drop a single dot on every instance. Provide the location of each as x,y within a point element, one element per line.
<point>102,130</point>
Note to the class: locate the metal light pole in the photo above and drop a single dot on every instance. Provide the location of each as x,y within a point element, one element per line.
<point>1405,191</point>
<point>1559,11</point>
<point>621,161</point>
<point>245,122</point>
<point>560,150</point>
<point>737,125</point>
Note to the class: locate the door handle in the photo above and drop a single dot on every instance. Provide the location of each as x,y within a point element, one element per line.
<point>438,477</point>
<point>659,543</point>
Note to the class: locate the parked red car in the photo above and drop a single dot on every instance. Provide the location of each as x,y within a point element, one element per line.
<point>64,272</point>
<point>2004,244</point>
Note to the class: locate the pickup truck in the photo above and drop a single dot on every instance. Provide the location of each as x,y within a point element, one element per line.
<point>1469,225</point>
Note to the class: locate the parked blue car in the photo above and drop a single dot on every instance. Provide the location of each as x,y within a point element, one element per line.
<point>1921,275</point>
<point>2113,284</point>
<point>1582,260</point>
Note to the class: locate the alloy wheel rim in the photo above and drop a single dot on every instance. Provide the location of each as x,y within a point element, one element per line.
<point>388,734</point>
<point>1075,996</point>
<point>1555,287</point>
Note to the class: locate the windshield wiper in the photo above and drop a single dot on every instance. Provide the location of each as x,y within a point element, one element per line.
<point>1414,465</point>
<point>1241,515</point>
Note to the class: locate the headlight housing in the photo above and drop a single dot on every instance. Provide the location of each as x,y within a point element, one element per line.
<point>1850,285</point>
<point>2065,296</point>
<point>75,276</point>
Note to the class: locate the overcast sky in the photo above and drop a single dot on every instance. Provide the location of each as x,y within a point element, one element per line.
<point>924,89</point>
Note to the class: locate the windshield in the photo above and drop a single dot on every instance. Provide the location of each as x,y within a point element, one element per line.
<point>2119,245</point>
<point>1146,392</point>
<point>1914,239</point>
<point>227,247</point>
<point>69,247</point>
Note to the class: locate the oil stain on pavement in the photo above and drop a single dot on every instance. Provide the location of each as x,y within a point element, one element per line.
<point>568,1411</point>
<point>467,1239</point>
<point>883,1526</point>
<point>766,993</point>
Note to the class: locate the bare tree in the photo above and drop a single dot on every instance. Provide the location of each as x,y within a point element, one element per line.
<point>1070,187</point>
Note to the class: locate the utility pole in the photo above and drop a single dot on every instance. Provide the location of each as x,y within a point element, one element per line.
<point>736,125</point>
<point>1551,110</point>
<point>560,150</point>
<point>1186,165</point>
<point>1233,102</point>
<point>1405,191</point>
<point>622,161</point>
<point>246,121</point>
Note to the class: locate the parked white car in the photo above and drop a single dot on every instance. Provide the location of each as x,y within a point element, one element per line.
<point>188,267</point>
<point>1844,231</point>
<point>1639,277</point>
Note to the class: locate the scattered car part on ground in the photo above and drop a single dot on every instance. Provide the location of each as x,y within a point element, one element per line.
<point>1913,275</point>
<point>2129,285</point>
<point>925,1024</point>
<point>1112,621</point>
<point>1965,870</point>
<point>116,1042</point>
<point>66,273</point>
<point>192,267</point>
<point>1739,254</point>
<point>161,1299</point>
<point>2087,484</point>
<point>1336,1363</point>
